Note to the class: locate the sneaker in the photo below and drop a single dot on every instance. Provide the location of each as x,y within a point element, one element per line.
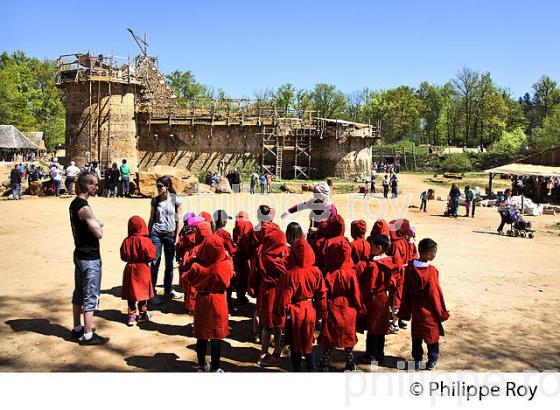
<point>131,320</point>
<point>174,294</point>
<point>203,369</point>
<point>351,367</point>
<point>430,366</point>
<point>402,324</point>
<point>244,300</point>
<point>156,300</point>
<point>95,340</point>
<point>218,371</point>
<point>261,357</point>
<point>393,328</point>
<point>144,317</point>
<point>76,334</point>
<point>270,360</point>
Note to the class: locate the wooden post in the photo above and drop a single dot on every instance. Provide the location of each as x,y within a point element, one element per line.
<point>491,176</point>
<point>413,158</point>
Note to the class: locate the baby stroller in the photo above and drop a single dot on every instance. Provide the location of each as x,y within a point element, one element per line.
<point>451,209</point>
<point>518,225</point>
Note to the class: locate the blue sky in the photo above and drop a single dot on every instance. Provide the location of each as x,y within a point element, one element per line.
<point>243,46</point>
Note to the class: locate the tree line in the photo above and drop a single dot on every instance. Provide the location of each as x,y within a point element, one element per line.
<point>468,110</point>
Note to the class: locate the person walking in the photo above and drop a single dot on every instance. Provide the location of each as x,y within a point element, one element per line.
<point>87,231</point>
<point>72,172</point>
<point>125,179</point>
<point>15,182</point>
<point>385,184</point>
<point>164,227</point>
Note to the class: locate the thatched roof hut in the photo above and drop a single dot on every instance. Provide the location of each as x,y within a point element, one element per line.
<point>12,138</point>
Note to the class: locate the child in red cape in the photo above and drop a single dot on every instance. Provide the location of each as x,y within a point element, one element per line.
<point>335,229</point>
<point>241,258</point>
<point>376,277</point>
<point>360,247</point>
<point>210,275</point>
<point>202,230</point>
<point>184,246</point>
<point>220,221</point>
<point>301,297</point>
<point>269,265</point>
<point>400,251</point>
<point>344,304</point>
<point>423,302</point>
<point>137,250</point>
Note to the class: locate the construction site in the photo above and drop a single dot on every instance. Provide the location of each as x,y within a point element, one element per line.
<point>121,108</point>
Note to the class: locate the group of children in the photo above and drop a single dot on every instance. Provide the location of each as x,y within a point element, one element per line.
<point>321,281</point>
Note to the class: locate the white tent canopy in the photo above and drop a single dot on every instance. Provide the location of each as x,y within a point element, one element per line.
<point>526,170</point>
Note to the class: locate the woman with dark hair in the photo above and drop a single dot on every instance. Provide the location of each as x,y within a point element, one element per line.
<point>113,180</point>
<point>164,226</point>
<point>293,232</point>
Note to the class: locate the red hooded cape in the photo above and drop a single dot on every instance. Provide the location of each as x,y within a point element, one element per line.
<point>302,293</point>
<point>376,277</point>
<point>361,249</point>
<point>137,250</point>
<point>400,251</point>
<point>202,231</point>
<point>270,265</point>
<point>210,275</point>
<point>423,302</point>
<point>335,229</point>
<point>241,260</point>
<point>343,298</point>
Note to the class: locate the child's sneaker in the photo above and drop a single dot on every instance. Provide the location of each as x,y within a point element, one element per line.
<point>393,328</point>
<point>131,320</point>
<point>261,357</point>
<point>402,324</point>
<point>271,360</point>
<point>144,317</point>
<point>204,369</point>
<point>430,366</point>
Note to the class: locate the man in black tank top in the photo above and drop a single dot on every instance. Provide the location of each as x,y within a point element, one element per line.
<point>87,232</point>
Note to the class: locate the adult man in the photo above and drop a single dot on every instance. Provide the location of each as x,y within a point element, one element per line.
<point>15,182</point>
<point>72,172</point>
<point>87,232</point>
<point>125,178</point>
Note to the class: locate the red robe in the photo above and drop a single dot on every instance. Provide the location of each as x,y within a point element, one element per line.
<point>334,230</point>
<point>210,276</point>
<point>423,302</point>
<point>229,245</point>
<point>137,250</point>
<point>376,278</point>
<point>301,292</point>
<point>380,227</point>
<point>361,249</point>
<point>270,265</point>
<point>203,230</point>
<point>344,301</point>
<point>400,251</point>
<point>241,260</point>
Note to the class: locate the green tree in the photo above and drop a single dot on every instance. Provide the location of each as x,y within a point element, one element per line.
<point>328,101</point>
<point>284,98</point>
<point>512,142</point>
<point>547,136</point>
<point>186,88</point>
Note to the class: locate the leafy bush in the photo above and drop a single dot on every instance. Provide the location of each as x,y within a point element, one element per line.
<point>510,142</point>
<point>455,163</point>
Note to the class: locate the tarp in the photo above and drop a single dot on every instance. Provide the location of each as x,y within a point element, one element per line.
<point>526,170</point>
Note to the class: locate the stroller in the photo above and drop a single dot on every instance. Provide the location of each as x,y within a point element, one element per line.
<point>451,209</point>
<point>518,225</point>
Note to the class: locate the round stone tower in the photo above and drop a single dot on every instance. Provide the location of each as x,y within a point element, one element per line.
<point>100,110</point>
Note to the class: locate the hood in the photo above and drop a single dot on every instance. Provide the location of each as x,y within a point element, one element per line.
<point>242,216</point>
<point>380,227</point>
<point>203,230</point>
<point>137,226</point>
<point>335,227</point>
<point>399,228</point>
<point>207,217</point>
<point>188,215</point>
<point>358,229</point>
<point>274,241</point>
<point>211,250</point>
<point>301,255</point>
<point>338,255</point>
<point>193,221</point>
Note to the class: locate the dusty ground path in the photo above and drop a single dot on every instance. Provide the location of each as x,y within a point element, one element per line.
<point>503,293</point>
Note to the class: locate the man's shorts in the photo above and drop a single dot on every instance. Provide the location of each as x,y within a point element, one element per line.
<point>87,284</point>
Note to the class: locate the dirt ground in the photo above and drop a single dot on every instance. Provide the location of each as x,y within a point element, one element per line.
<point>503,293</point>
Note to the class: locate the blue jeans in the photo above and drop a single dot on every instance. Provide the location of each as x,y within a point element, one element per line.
<point>57,187</point>
<point>418,352</point>
<point>125,186</point>
<point>168,244</point>
<point>16,189</point>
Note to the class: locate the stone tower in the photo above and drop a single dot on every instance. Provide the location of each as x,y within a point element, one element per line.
<point>100,99</point>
